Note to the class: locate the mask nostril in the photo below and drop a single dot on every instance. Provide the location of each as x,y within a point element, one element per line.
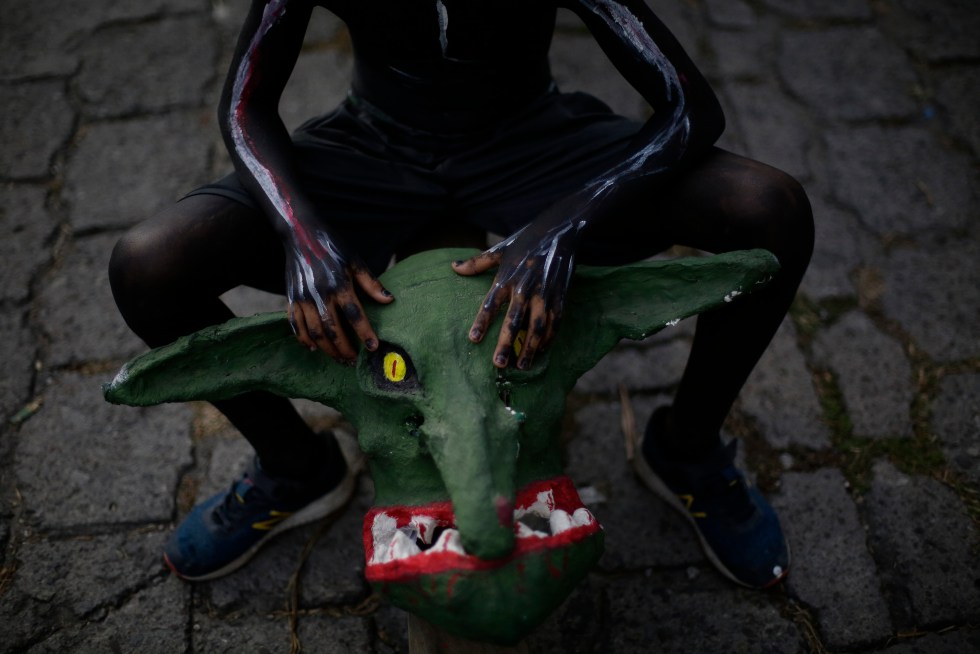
<point>413,424</point>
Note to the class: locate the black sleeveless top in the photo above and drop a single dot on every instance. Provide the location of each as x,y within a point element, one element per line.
<point>449,65</point>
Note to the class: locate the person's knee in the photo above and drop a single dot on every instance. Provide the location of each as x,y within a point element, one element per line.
<point>782,208</point>
<point>132,264</point>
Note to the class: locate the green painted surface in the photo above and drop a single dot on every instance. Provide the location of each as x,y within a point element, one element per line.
<point>446,425</point>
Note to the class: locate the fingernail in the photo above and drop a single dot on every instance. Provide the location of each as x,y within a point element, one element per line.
<point>458,262</point>
<point>522,364</point>
<point>475,334</point>
<point>371,344</point>
<point>312,348</point>
<point>386,292</point>
<point>501,359</point>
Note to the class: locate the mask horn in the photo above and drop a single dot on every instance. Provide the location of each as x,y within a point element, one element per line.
<point>258,353</point>
<point>606,305</point>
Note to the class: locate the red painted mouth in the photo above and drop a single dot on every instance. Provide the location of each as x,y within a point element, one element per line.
<point>403,542</point>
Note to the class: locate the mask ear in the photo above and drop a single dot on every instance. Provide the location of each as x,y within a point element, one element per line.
<point>606,305</point>
<point>244,354</point>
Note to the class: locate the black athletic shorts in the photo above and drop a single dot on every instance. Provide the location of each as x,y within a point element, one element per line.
<point>378,183</point>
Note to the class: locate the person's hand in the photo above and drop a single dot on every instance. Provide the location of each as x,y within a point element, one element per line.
<point>321,284</point>
<point>535,267</point>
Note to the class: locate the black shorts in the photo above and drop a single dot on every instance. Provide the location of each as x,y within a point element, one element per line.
<point>378,183</point>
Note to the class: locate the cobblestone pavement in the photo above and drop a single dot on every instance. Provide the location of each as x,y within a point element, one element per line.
<point>862,422</point>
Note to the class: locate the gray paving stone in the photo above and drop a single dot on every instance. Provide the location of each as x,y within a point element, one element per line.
<point>901,179</point>
<point>18,351</point>
<point>38,121</point>
<point>391,627</point>
<point>662,614</point>
<point>270,634</point>
<point>153,621</point>
<point>122,172</point>
<point>260,633</point>
<point>841,246</point>
<point>958,93</point>
<point>780,397</point>
<point>639,369</point>
<point>244,301</point>
<point>576,626</point>
<point>732,14</point>
<point>819,68</point>
<point>873,374</point>
<point>318,84</point>
<point>956,422</point>
<point>832,571</point>
<point>128,69</point>
<point>956,642</point>
<point>60,31</point>
<point>578,64</point>
<point>935,31</point>
<point>84,574</point>
<point>933,293</point>
<point>742,54</point>
<point>330,635</point>
<point>775,132</point>
<point>27,225</point>
<point>81,461</point>
<point>830,9</point>
<point>641,531</point>
<point>76,310</point>
<point>925,545</point>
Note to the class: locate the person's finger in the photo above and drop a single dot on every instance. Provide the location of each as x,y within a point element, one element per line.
<point>336,336</point>
<point>538,333</point>
<point>353,313</point>
<point>509,330</point>
<point>372,286</point>
<point>321,331</point>
<point>485,316</point>
<point>479,263</point>
<point>297,320</point>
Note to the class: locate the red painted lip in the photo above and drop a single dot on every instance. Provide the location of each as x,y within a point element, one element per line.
<point>392,533</point>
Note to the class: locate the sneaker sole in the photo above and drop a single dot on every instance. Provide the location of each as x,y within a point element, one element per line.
<point>315,510</point>
<point>653,481</point>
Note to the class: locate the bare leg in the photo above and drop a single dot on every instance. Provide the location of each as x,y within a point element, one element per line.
<point>167,275</point>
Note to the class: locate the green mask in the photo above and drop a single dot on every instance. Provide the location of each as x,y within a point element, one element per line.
<point>474,526</point>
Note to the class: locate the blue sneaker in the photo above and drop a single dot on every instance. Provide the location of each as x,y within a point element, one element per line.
<point>220,535</point>
<point>738,529</point>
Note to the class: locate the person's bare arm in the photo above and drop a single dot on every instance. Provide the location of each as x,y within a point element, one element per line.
<point>321,278</point>
<point>535,265</point>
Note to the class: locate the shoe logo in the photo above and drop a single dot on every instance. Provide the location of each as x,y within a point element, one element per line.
<point>688,503</point>
<point>275,517</point>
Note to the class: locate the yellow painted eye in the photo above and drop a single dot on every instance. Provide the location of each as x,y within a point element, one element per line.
<point>394,367</point>
<point>519,342</point>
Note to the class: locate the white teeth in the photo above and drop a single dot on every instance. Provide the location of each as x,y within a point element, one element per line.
<point>382,531</point>
<point>582,517</point>
<point>425,526</point>
<point>402,546</point>
<point>449,542</point>
<point>523,531</point>
<point>392,543</point>
<point>560,521</point>
<point>542,506</point>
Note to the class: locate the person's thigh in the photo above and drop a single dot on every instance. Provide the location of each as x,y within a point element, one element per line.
<point>724,202</point>
<point>203,245</point>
